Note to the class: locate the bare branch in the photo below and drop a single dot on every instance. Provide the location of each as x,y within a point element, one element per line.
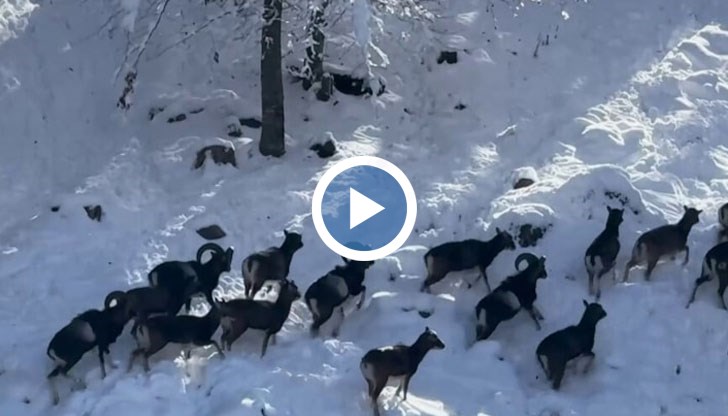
<point>143,45</point>
<point>201,28</point>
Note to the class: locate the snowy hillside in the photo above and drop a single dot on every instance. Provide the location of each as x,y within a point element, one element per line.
<point>622,103</point>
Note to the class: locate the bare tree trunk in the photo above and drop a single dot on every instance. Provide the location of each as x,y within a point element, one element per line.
<point>313,65</point>
<point>271,81</point>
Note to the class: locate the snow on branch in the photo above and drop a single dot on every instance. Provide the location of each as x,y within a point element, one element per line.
<point>132,8</point>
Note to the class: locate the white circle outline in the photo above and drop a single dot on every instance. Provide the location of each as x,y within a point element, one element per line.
<point>402,181</point>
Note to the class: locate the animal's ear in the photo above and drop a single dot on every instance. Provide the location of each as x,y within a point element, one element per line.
<point>498,230</point>
<point>585,303</point>
<point>699,211</point>
<point>685,208</point>
<point>427,329</point>
<point>285,232</point>
<point>345,260</point>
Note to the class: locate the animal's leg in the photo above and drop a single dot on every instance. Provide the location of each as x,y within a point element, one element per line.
<point>406,386</point>
<point>132,357</point>
<point>557,372</point>
<point>591,282</point>
<point>699,281</point>
<point>484,331</point>
<point>651,263</point>
<point>544,365</point>
<point>399,387</point>
<point>487,284</point>
<point>432,278</point>
<point>370,386</point>
<point>589,361</point>
<point>52,378</point>
<point>538,313</point>
<point>378,387</point>
<point>248,287</point>
<point>214,344</point>
<point>319,320</point>
<point>630,264</point>
<point>532,313</point>
<point>339,321</point>
<point>721,292</point>
<point>606,269</point>
<point>101,361</point>
<point>362,297</point>
<point>265,344</point>
<point>111,362</point>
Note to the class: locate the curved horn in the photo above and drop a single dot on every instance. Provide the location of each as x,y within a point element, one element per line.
<point>114,298</point>
<point>529,257</point>
<point>208,246</point>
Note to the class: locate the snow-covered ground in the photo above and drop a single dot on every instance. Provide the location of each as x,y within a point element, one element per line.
<point>626,98</point>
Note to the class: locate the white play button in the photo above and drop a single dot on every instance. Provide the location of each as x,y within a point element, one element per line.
<point>361,208</point>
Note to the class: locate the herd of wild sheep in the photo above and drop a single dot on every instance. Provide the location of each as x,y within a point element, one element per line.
<point>172,284</point>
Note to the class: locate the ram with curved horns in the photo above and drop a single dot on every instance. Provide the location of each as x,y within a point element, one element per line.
<point>89,329</point>
<point>516,292</point>
<point>184,279</point>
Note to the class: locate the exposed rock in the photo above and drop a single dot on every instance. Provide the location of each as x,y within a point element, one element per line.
<point>622,199</point>
<point>425,314</point>
<point>253,123</point>
<point>211,232</point>
<point>221,154</point>
<point>325,150</point>
<point>177,118</point>
<point>523,183</point>
<point>461,106</point>
<point>154,111</point>
<point>528,235</point>
<point>450,57</point>
<point>351,85</point>
<point>234,130</point>
<point>55,208</point>
<point>94,212</point>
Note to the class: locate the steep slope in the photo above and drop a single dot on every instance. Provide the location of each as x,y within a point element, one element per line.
<point>625,97</point>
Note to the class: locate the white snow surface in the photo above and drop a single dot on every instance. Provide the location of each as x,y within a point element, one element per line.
<point>625,98</point>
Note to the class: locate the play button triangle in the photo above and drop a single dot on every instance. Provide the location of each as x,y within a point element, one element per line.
<point>361,208</point>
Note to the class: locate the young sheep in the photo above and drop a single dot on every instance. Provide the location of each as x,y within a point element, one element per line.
<point>92,328</point>
<point>379,364</point>
<point>571,342</point>
<point>156,332</point>
<point>465,255</point>
<point>515,292</point>
<point>666,240</point>
<point>240,314</point>
<point>602,254</point>
<point>272,263</point>
<point>333,289</point>
<point>723,221</point>
<point>182,279</point>
<point>715,265</point>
